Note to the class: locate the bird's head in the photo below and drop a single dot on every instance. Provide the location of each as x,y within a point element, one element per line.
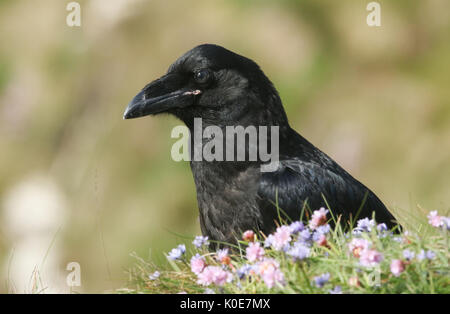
<point>215,84</point>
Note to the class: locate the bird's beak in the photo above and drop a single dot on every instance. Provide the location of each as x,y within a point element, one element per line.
<point>161,95</point>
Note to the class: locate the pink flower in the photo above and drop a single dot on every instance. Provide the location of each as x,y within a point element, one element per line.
<point>397,267</point>
<point>322,241</point>
<point>214,275</point>
<point>435,220</point>
<point>270,272</point>
<point>281,237</point>
<point>197,264</point>
<point>370,258</point>
<point>248,236</point>
<point>356,246</point>
<point>254,251</point>
<point>222,257</point>
<point>319,218</point>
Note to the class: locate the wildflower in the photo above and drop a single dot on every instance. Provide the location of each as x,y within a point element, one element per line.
<point>270,272</point>
<point>209,291</point>
<point>248,236</point>
<point>322,240</point>
<point>430,255</point>
<point>269,240</point>
<point>336,290</point>
<point>426,255</point>
<point>356,232</point>
<point>281,238</point>
<point>222,256</point>
<point>244,271</point>
<point>254,251</point>
<point>319,235</point>
<point>434,219</point>
<point>370,258</point>
<point>297,226</point>
<point>382,227</point>
<point>305,237</point>
<point>182,248</point>
<point>365,224</point>
<point>324,229</point>
<point>321,280</point>
<point>446,222</point>
<point>299,251</point>
<point>319,217</point>
<point>354,281</point>
<point>356,246</point>
<point>177,252</point>
<point>214,275</point>
<point>197,264</point>
<point>154,276</point>
<point>408,254</point>
<point>200,241</point>
<point>397,267</point>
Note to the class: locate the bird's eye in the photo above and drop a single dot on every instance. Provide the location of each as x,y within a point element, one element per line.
<point>202,76</point>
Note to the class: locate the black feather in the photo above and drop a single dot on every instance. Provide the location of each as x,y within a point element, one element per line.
<point>234,196</point>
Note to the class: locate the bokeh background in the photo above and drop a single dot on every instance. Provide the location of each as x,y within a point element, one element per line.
<point>79,184</point>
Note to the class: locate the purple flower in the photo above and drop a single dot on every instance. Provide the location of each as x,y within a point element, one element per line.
<point>270,272</point>
<point>154,276</point>
<point>297,226</point>
<point>365,224</point>
<point>446,222</point>
<point>320,232</point>
<point>426,255</point>
<point>197,264</point>
<point>382,227</point>
<point>177,252</point>
<point>254,251</point>
<point>397,267</point>
<point>182,248</point>
<point>336,290</point>
<point>214,275</point>
<point>199,241</point>
<point>430,255</point>
<point>269,240</point>
<point>244,271</point>
<point>299,251</point>
<point>319,217</point>
<point>305,236</point>
<point>321,280</point>
<point>408,254</point>
<point>209,291</point>
<point>370,258</point>
<point>357,232</point>
<point>281,238</point>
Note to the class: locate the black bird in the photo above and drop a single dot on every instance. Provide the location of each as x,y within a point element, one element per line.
<point>226,89</point>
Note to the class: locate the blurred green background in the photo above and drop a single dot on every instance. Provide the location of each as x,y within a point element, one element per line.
<point>78,183</point>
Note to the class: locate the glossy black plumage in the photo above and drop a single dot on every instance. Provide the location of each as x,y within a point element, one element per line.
<point>226,89</point>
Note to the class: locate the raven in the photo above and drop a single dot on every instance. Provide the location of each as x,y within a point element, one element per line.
<point>226,89</point>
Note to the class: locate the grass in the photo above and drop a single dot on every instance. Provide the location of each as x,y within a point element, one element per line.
<point>424,273</point>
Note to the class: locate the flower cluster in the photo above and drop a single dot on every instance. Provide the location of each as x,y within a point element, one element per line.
<point>177,252</point>
<point>299,245</point>
<point>438,221</point>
